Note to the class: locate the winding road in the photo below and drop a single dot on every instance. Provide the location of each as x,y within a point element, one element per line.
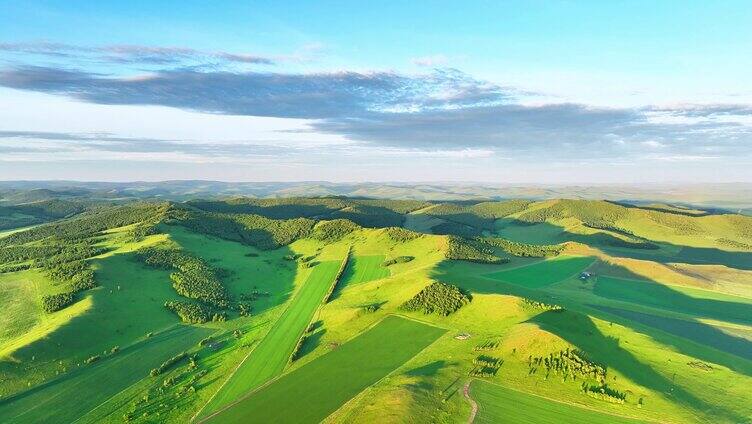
<point>474,404</point>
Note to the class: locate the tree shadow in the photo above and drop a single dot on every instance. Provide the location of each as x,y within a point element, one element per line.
<point>639,247</point>
<point>311,342</point>
<point>712,341</point>
<point>428,370</point>
<point>697,332</point>
<point>580,331</point>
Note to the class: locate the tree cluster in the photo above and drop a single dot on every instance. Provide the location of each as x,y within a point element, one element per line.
<point>56,302</point>
<point>166,365</point>
<point>190,312</point>
<point>397,260</point>
<point>522,249</point>
<point>193,278</point>
<point>568,363</point>
<point>439,298</point>
<point>335,230</point>
<point>465,250</point>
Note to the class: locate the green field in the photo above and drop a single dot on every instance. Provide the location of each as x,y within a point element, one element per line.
<point>69,397</point>
<point>270,356</point>
<point>544,273</point>
<point>18,301</point>
<point>322,386</point>
<point>498,404</point>
<point>698,332</point>
<point>363,269</point>
<point>699,303</point>
<point>670,338</point>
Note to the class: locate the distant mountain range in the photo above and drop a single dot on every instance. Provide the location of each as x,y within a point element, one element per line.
<point>736,197</point>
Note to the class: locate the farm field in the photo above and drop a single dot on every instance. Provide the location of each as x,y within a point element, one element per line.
<point>363,269</point>
<point>270,356</point>
<point>323,385</point>
<point>544,273</point>
<point>498,404</point>
<point>69,397</point>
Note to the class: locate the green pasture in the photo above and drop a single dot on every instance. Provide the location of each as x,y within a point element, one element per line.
<point>698,303</point>
<point>323,385</point>
<point>270,356</point>
<point>363,269</point>
<point>128,304</point>
<point>544,273</point>
<point>69,397</point>
<point>249,268</point>
<point>498,404</point>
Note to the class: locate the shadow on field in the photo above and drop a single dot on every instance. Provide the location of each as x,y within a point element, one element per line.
<point>579,330</point>
<point>642,248</point>
<point>428,370</point>
<point>310,343</point>
<point>696,339</point>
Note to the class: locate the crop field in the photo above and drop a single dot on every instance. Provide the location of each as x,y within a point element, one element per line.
<point>270,356</point>
<point>323,385</point>
<point>73,395</point>
<point>544,273</point>
<point>677,299</point>
<point>363,269</point>
<point>498,404</point>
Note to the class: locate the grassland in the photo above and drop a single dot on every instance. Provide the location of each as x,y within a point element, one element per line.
<point>674,337</point>
<point>499,404</point>
<point>74,394</point>
<point>693,302</point>
<point>269,358</point>
<point>544,273</point>
<point>362,269</point>
<point>323,385</point>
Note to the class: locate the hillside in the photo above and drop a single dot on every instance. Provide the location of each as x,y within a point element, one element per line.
<point>311,309</point>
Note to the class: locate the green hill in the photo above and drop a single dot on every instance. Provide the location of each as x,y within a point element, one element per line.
<point>246,308</point>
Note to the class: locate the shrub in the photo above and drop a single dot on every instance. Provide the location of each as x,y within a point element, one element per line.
<point>166,365</point>
<point>398,260</point>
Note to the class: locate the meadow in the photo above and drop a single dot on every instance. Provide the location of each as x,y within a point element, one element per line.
<point>324,384</point>
<point>667,327</point>
<point>693,302</point>
<point>544,273</point>
<point>69,397</point>
<point>270,356</point>
<point>364,268</point>
<point>499,404</point>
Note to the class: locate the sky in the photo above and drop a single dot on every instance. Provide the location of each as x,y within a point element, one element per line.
<point>473,91</point>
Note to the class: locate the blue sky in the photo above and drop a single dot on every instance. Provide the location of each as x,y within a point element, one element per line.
<point>528,91</point>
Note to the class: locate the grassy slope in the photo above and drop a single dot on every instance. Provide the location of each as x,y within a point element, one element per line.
<point>362,269</point>
<point>127,305</point>
<point>544,273</point>
<point>323,385</point>
<point>498,404</point>
<point>269,357</point>
<point>697,303</point>
<point>74,394</point>
<point>647,362</point>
